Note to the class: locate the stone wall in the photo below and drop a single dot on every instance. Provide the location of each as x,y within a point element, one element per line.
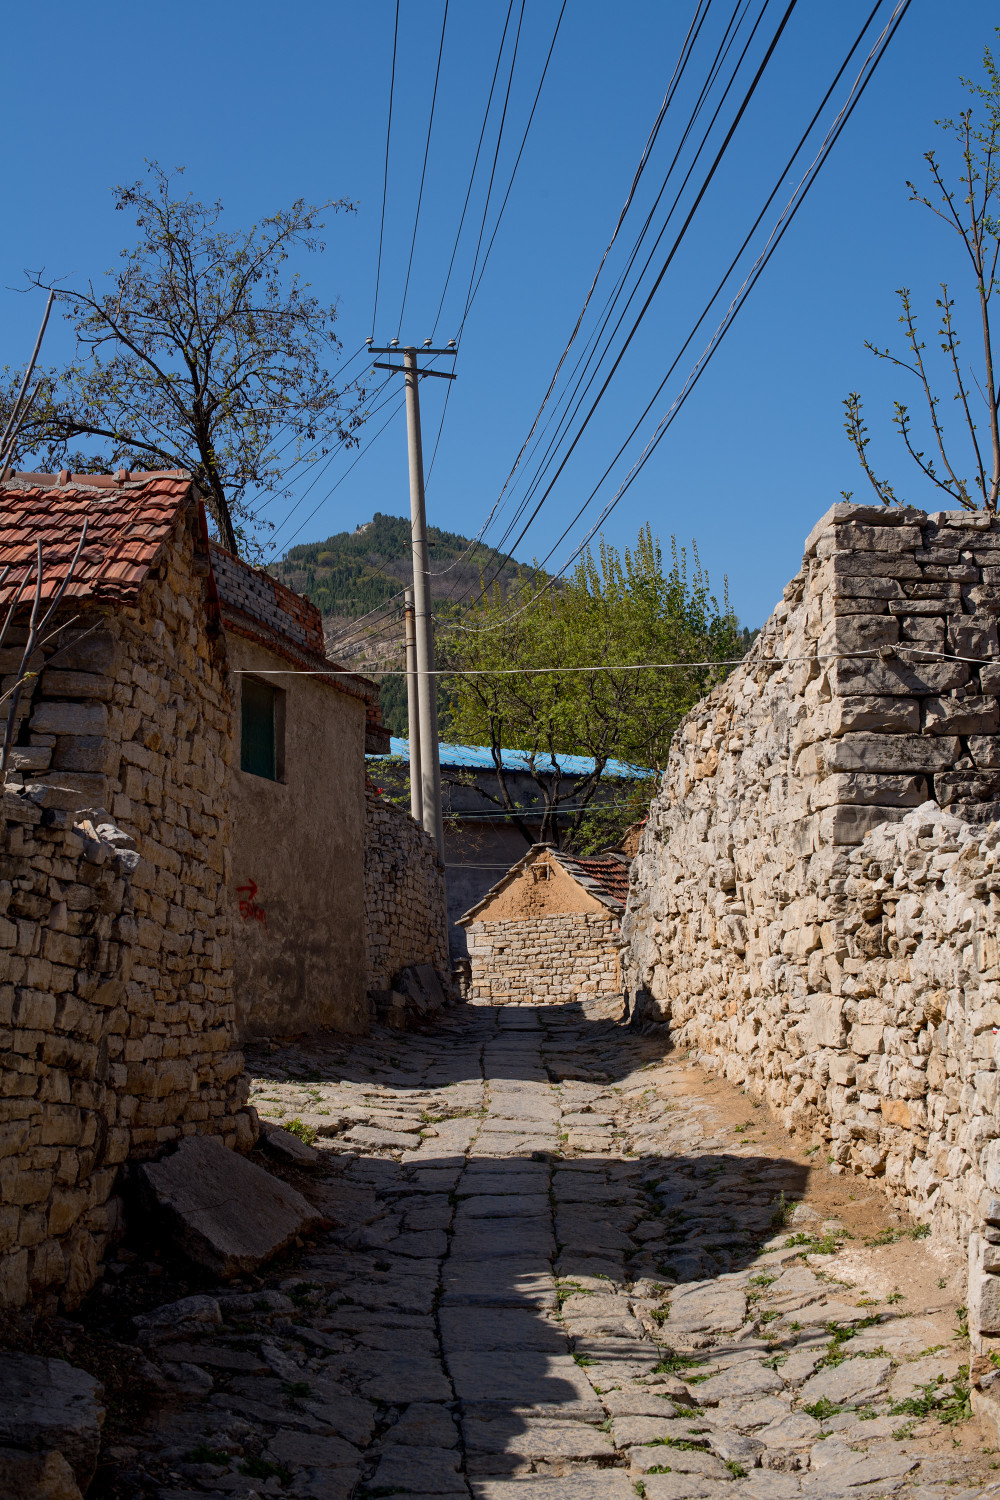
<point>541,960</point>
<point>752,924</point>
<point>405,915</point>
<point>119,1032</point>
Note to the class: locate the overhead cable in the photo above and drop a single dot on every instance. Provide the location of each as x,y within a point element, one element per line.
<point>860,84</point>
<point>423,173</point>
<point>385,182</point>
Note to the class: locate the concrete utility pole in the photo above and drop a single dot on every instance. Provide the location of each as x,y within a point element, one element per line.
<point>413,709</point>
<point>430,765</point>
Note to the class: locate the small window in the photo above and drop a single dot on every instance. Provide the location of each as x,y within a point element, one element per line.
<point>261,726</point>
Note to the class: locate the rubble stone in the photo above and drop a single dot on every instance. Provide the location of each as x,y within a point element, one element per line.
<point>799,925</point>
<point>36,1476</point>
<point>406,919</point>
<point>48,1404</point>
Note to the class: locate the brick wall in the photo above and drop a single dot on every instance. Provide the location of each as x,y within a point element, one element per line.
<point>544,959</point>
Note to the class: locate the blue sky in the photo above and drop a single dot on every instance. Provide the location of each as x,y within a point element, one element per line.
<point>263,105</point>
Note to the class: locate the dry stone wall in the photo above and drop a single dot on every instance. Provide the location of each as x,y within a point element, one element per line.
<point>544,959</point>
<point>118,1021</point>
<point>406,919</point>
<point>798,912</point>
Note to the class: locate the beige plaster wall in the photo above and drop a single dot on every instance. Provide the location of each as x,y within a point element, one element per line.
<point>299,962</point>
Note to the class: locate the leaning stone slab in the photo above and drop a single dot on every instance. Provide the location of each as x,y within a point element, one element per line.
<point>224,1212</point>
<point>36,1476</point>
<point>46,1404</point>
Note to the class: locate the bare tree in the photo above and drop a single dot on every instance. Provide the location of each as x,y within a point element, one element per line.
<point>967,471</point>
<point>34,637</point>
<point>194,356</point>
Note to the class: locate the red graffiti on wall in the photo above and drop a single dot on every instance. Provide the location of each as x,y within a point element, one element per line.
<point>248,904</point>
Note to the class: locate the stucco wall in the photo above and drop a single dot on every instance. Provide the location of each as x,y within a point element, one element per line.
<point>298,889</point>
<point>543,959</point>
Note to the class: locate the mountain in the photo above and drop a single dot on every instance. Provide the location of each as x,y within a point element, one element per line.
<point>355,576</point>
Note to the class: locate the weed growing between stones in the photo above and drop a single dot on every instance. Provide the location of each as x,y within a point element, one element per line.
<point>949,1406</point>
<point>839,1335</point>
<point>305,1133</point>
<point>672,1363</point>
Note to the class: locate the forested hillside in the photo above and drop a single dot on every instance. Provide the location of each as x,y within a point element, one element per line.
<point>356,578</point>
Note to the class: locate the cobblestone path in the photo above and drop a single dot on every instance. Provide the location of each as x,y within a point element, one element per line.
<point>556,1273</point>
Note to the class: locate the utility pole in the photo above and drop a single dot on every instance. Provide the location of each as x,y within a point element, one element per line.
<point>430,765</point>
<point>413,710</point>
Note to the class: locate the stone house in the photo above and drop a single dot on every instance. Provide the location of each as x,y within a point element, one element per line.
<point>298,803</point>
<point>181,850</point>
<point>117,1024</point>
<point>482,839</point>
<point>550,930</point>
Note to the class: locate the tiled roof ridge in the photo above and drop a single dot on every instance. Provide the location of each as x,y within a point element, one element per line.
<point>65,480</point>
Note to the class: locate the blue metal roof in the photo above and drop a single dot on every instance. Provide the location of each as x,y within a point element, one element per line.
<point>480,758</point>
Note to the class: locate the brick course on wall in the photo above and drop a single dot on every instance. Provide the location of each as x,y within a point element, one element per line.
<point>132,1038</point>
<point>849,982</point>
<point>544,959</point>
<point>405,914</point>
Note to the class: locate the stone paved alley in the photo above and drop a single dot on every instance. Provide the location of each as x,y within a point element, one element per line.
<point>561,1267</point>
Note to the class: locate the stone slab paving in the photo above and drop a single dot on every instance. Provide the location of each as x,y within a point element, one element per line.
<point>548,1273</point>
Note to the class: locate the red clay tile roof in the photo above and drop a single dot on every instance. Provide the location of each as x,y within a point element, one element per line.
<point>608,871</point>
<point>129,518</point>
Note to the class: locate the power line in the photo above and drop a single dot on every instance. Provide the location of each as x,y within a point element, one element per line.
<point>917,652</point>
<point>587,359</point>
<point>475,164</point>
<point>385,182</point>
<point>701,10</point>
<point>678,239</point>
<point>472,296</point>
<point>594,339</point>
<point>329,460</point>
<point>496,157</point>
<point>361,453</point>
<point>785,219</point>
<point>423,174</point>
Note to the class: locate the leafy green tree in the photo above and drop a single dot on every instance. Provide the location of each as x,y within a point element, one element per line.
<point>613,613</point>
<point>193,355</point>
<point>970,473</point>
